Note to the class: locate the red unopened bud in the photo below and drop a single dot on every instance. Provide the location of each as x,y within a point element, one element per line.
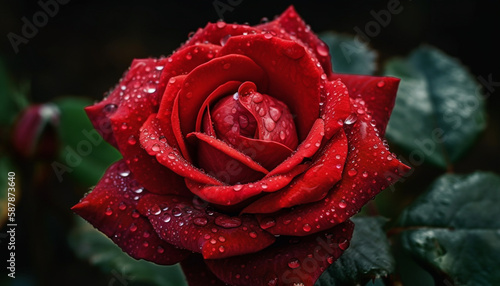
<point>33,133</point>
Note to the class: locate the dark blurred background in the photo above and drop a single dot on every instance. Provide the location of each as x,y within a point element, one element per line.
<point>84,48</point>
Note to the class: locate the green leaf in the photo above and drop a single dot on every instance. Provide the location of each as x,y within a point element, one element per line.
<point>90,244</point>
<point>349,55</point>
<point>368,256</point>
<point>84,154</point>
<point>453,229</point>
<point>439,110</point>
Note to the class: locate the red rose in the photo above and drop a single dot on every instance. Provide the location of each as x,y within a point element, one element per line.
<point>244,155</point>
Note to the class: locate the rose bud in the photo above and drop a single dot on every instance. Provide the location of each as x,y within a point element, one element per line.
<point>244,155</point>
<point>33,133</point>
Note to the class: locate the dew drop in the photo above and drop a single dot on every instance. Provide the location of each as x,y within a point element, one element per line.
<point>352,172</point>
<point>200,221</point>
<point>344,244</point>
<point>131,140</point>
<point>330,259</point>
<point>135,214</point>
<point>227,222</point>
<point>282,135</point>
<point>108,212</point>
<point>294,263</point>
<point>322,50</point>
<point>274,113</point>
<point>342,204</point>
<point>269,124</point>
<point>222,239</point>
<point>221,249</point>
<point>221,24</point>
<point>268,222</point>
<point>381,83</point>
<point>226,66</point>
<point>155,210</point>
<point>306,228</point>
<point>167,218</point>
<point>155,148</point>
<point>351,119</point>
<point>365,174</point>
<point>133,227</point>
<point>257,98</point>
<point>176,212</point>
<point>268,36</point>
<point>109,108</point>
<point>237,188</point>
<point>122,206</point>
<point>160,250</point>
<point>253,234</point>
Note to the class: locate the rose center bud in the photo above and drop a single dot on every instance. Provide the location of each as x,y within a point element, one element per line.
<point>232,120</point>
<point>251,119</point>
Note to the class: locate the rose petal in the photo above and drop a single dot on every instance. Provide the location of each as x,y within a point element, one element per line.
<point>369,168</point>
<point>111,208</point>
<point>311,186</point>
<point>266,153</point>
<point>379,94</point>
<point>336,108</point>
<point>135,97</point>
<point>274,120</point>
<point>294,78</point>
<point>226,163</point>
<point>289,25</point>
<point>197,272</point>
<point>231,195</point>
<point>204,79</point>
<point>218,33</point>
<point>289,261</point>
<point>306,149</point>
<point>168,122</point>
<point>227,88</point>
<point>184,60</point>
<point>193,226</point>
<point>156,145</point>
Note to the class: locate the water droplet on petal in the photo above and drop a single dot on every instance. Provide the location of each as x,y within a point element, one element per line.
<point>269,124</point>
<point>352,172</point>
<point>253,234</point>
<point>351,119</point>
<point>268,36</point>
<point>226,66</point>
<point>306,227</point>
<point>274,113</point>
<point>322,50</point>
<point>294,263</point>
<point>108,212</point>
<point>109,108</point>
<point>122,206</point>
<point>381,83</point>
<point>267,222</point>
<point>221,249</point>
<point>344,244</point>
<point>133,227</point>
<point>342,204</point>
<point>237,188</point>
<point>200,221</point>
<point>227,222</point>
<point>167,218</point>
<point>221,24</point>
<point>160,250</point>
<point>155,210</point>
<point>155,148</point>
<point>131,140</point>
